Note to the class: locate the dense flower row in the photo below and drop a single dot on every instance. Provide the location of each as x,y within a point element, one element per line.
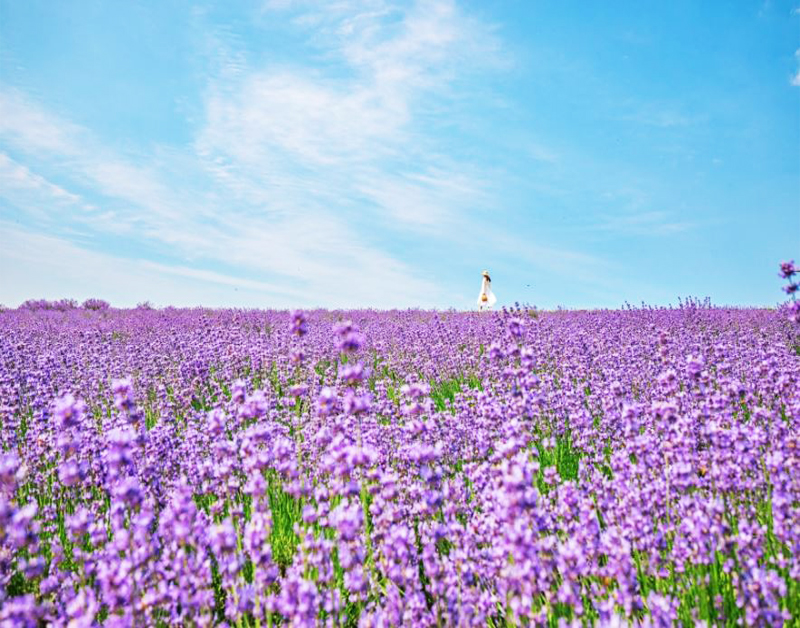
<point>261,468</point>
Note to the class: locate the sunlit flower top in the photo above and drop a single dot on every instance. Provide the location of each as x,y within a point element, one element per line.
<point>486,298</point>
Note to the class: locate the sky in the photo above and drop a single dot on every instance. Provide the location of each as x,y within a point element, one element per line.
<point>369,153</point>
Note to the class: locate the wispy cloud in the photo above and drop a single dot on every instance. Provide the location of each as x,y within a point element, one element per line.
<point>296,175</point>
<point>41,265</point>
<point>317,252</point>
<point>421,200</point>
<point>359,129</point>
<point>33,129</point>
<point>15,178</point>
<point>628,210</point>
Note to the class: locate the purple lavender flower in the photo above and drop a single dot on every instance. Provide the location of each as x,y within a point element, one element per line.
<point>347,520</point>
<point>348,337</point>
<point>123,393</point>
<point>217,422</point>
<point>788,269</point>
<point>516,327</point>
<point>71,472</point>
<point>238,391</point>
<point>298,390</point>
<point>356,404</point>
<point>12,471</point>
<point>255,405</point>
<point>69,411</point>
<point>496,352</point>
<point>416,390</point>
<point>327,402</point>
<point>20,611</point>
<point>83,608</point>
<point>352,374</point>
<point>694,366</point>
<point>121,442</point>
<point>78,523</point>
<point>299,324</point>
<point>129,492</point>
<point>794,311</point>
<point>223,538</point>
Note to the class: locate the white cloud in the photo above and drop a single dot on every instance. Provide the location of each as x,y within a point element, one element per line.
<point>274,117</point>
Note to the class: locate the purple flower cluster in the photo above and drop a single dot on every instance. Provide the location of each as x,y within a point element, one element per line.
<point>228,467</point>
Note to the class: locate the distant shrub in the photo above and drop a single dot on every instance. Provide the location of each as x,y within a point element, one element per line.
<point>95,304</point>
<point>65,304</point>
<point>144,305</point>
<point>34,304</point>
<point>43,304</point>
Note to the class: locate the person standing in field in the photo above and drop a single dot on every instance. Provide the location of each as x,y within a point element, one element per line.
<point>486,298</point>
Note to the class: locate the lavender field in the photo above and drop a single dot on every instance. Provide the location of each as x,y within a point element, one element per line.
<point>261,468</point>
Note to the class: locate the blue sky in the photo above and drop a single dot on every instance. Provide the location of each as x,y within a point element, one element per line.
<point>381,154</point>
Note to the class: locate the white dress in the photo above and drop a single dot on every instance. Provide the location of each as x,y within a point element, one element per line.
<point>486,298</point>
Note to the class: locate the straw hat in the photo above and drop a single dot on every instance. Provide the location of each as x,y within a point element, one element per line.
<point>485,273</point>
